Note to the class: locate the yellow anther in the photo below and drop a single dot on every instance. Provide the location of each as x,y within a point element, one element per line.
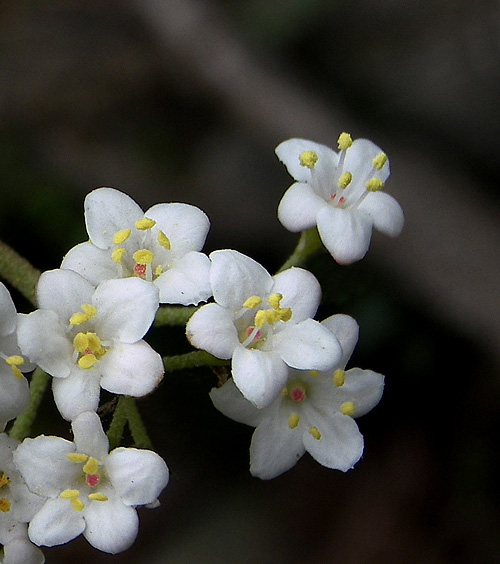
<point>94,343</point>
<point>313,373</point>
<point>308,159</point>
<point>143,256</point>
<point>379,161</point>
<point>91,466</point>
<point>284,391</point>
<point>17,373</point>
<point>158,270</point>
<point>374,185</point>
<point>14,360</point>
<point>89,310</point>
<point>315,433</point>
<point>145,224</point>
<point>76,457</point>
<point>339,378</point>
<point>284,314</point>
<point>293,421</point>
<point>69,494</point>
<point>78,319</point>
<point>98,497</point>
<point>81,342</point>
<point>77,504</point>
<point>121,236</point>
<point>344,141</point>
<point>252,302</point>
<point>274,300</point>
<point>4,505</point>
<point>87,361</point>
<point>260,318</point>
<point>164,241</point>
<point>4,480</point>
<point>344,180</point>
<point>117,255</point>
<point>347,408</point>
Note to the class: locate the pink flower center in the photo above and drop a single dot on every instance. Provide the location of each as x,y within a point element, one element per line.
<point>298,394</point>
<point>92,479</point>
<point>140,270</point>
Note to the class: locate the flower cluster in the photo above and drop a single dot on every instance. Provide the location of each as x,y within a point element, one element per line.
<point>88,333</point>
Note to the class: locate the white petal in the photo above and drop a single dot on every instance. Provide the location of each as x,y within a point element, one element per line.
<point>187,281</point>
<point>289,153</point>
<point>364,388</point>
<point>346,234</point>
<point>77,393</point>
<point>15,394</point>
<point>93,263</point>
<point>89,436</point>
<point>24,503</point>
<point>230,401</point>
<point>138,476</point>
<point>131,369</point>
<point>300,290</point>
<point>125,309</point>
<point>56,523</point>
<point>359,161</point>
<point>185,226</point>
<point>340,445</point>
<point>235,277</point>
<point>299,207</point>
<point>21,550</point>
<point>346,330</point>
<point>308,346</point>
<point>386,213</point>
<point>260,376</point>
<point>212,329</point>
<point>8,314</point>
<point>108,211</point>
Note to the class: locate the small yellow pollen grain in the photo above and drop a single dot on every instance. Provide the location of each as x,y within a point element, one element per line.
<point>344,141</point>
<point>339,378</point>
<point>344,180</point>
<point>121,236</point>
<point>308,159</point>
<point>77,504</point>
<point>4,480</point>
<point>143,256</point>
<point>274,300</point>
<point>379,161</point>
<point>158,270</point>
<point>117,255</point>
<point>284,391</point>
<point>374,185</point>
<point>91,466</point>
<point>69,494</point>
<point>313,373</point>
<point>293,421</point>
<point>145,223</point>
<point>14,360</point>
<point>77,457</point>
<point>98,497</point>
<point>4,505</point>
<point>164,241</point>
<point>315,433</point>
<point>260,318</point>
<point>347,408</point>
<point>87,361</point>
<point>252,302</point>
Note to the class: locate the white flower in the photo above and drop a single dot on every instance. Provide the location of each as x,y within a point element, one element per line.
<point>314,412</point>
<point>340,193</point>
<point>87,490</point>
<point>160,246</point>
<point>14,390</point>
<point>17,507</point>
<point>263,323</point>
<point>88,338</point>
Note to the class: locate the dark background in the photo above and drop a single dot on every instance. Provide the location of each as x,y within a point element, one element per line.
<point>185,100</point>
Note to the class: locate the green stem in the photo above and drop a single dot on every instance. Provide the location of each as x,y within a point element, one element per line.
<point>192,359</point>
<point>22,426</point>
<point>18,272</point>
<point>174,315</point>
<point>115,430</point>
<point>136,425</point>
<point>308,244</point>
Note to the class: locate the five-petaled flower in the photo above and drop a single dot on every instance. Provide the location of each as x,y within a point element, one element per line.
<point>86,490</point>
<point>161,245</point>
<point>313,413</point>
<point>262,323</point>
<point>340,193</point>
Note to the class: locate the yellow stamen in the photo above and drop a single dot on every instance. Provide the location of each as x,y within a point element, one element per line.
<point>143,256</point>
<point>379,161</point>
<point>260,318</point>
<point>121,236</point>
<point>374,185</point>
<point>347,408</point>
<point>79,318</point>
<point>158,270</point>
<point>4,505</point>
<point>91,466</point>
<point>98,497</point>
<point>252,302</point>
<point>4,480</point>
<point>284,391</point>
<point>69,494</point>
<point>339,378</point>
<point>76,457</point>
<point>308,159</point>
<point>313,373</point>
<point>315,433</point>
<point>344,141</point>
<point>14,360</point>
<point>17,373</point>
<point>164,241</point>
<point>94,342</point>
<point>145,224</point>
<point>117,255</point>
<point>81,342</point>
<point>274,300</point>
<point>77,504</point>
<point>284,314</point>
<point>293,421</point>
<point>344,180</point>
<point>87,361</point>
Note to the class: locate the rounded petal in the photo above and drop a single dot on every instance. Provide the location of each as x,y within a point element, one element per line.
<point>212,329</point>
<point>15,395</point>
<point>91,262</point>
<point>230,401</point>
<point>77,393</point>
<point>125,309</point>
<point>346,330</point>
<point>131,369</point>
<point>386,213</point>
<point>346,234</point>
<point>308,346</point>
<point>138,476</point>
<point>364,388</point>
<point>8,317</point>
<point>187,282</point>
<point>107,211</point>
<point>89,436</point>
<point>300,290</point>
<point>235,277</point>
<point>299,207</point>
<point>340,445</point>
<point>24,503</point>
<point>260,376</point>
<point>56,523</point>
<point>22,550</point>
<point>359,161</point>
<point>289,153</point>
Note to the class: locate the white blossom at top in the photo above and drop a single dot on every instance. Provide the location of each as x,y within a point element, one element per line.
<point>160,245</point>
<point>313,413</point>
<point>87,338</point>
<point>340,193</point>
<point>263,324</point>
<point>17,507</point>
<point>14,390</point>
<point>86,490</point>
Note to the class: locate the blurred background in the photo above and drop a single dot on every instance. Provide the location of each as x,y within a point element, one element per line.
<point>185,100</point>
